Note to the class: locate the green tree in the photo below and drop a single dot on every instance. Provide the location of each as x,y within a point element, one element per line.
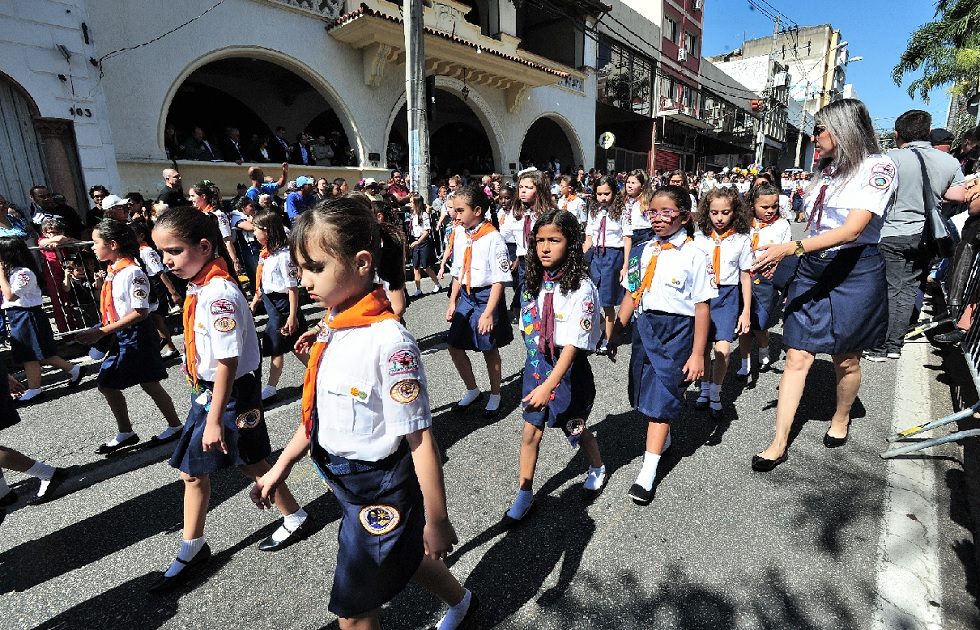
<point>946,51</point>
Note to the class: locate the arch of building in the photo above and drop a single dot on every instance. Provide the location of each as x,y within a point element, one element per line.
<point>477,104</point>
<point>548,125</point>
<point>291,64</point>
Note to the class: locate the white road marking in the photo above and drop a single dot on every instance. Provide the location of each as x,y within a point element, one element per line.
<point>909,593</point>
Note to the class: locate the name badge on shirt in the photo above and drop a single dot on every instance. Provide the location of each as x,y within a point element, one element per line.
<point>559,317</point>
<point>677,283</point>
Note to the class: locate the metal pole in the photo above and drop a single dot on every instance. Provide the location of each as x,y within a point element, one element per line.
<point>767,97</point>
<point>418,125</point>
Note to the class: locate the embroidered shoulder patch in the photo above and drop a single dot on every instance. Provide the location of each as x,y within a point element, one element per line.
<point>224,324</point>
<point>222,307</point>
<point>405,391</point>
<point>402,362</point>
<point>249,419</point>
<point>139,294</point>
<point>586,323</point>
<point>379,520</point>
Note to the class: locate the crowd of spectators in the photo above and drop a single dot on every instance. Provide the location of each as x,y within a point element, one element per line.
<point>304,149</point>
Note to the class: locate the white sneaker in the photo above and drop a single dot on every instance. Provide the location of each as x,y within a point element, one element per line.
<point>268,391</point>
<point>894,355</point>
<point>595,478</point>
<point>169,354</point>
<point>29,395</point>
<point>437,288</point>
<point>764,360</point>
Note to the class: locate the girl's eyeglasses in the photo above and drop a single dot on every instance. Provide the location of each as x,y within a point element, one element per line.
<point>664,213</point>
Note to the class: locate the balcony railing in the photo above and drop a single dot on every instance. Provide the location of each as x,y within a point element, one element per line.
<point>328,9</point>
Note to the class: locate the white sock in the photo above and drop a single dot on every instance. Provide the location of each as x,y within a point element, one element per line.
<point>169,431</point>
<point>763,355</point>
<point>289,524</point>
<point>29,394</point>
<point>188,549</point>
<point>648,474</point>
<point>41,471</point>
<point>521,504</point>
<point>469,397</point>
<point>493,402</point>
<point>119,438</point>
<point>714,392</point>
<point>746,366</point>
<point>454,616</point>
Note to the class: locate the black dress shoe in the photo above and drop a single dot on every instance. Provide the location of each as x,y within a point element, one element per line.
<point>834,442</point>
<point>717,415</point>
<point>51,492</point>
<point>8,499</point>
<point>950,338</point>
<point>510,521</point>
<point>296,535</point>
<point>640,495</point>
<point>761,464</point>
<point>106,449</point>
<point>166,584</point>
<point>701,404</point>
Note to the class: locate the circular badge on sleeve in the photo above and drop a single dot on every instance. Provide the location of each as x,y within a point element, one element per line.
<point>378,520</point>
<point>249,419</point>
<point>405,391</point>
<point>224,324</point>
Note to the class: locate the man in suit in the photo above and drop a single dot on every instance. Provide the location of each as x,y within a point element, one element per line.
<point>301,152</point>
<point>231,146</point>
<point>279,147</point>
<point>198,147</point>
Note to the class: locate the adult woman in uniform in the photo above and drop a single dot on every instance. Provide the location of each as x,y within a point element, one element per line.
<point>836,302</point>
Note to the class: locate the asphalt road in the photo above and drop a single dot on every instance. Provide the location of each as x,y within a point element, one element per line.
<point>720,547</point>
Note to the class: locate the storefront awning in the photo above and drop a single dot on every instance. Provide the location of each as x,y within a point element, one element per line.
<point>685,118</point>
<point>453,47</point>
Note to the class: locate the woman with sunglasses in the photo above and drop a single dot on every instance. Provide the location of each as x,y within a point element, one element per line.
<point>836,302</point>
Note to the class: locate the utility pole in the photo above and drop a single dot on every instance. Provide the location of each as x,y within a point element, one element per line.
<point>767,98</point>
<point>799,137</point>
<point>418,124</point>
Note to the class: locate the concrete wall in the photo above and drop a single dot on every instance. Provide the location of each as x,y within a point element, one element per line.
<point>29,38</point>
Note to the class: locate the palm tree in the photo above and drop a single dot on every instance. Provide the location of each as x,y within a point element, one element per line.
<point>946,50</point>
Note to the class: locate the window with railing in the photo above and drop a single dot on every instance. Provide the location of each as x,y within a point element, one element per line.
<point>691,44</point>
<point>670,29</point>
<point>624,78</point>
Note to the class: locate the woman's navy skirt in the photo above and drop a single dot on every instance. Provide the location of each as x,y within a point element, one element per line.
<point>607,263</point>
<point>463,331</point>
<point>31,338</point>
<point>273,342</point>
<point>134,358</point>
<point>838,302</point>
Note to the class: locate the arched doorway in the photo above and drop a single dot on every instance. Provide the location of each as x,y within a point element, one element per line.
<point>23,163</point>
<point>546,140</point>
<point>458,140</point>
<point>256,96</point>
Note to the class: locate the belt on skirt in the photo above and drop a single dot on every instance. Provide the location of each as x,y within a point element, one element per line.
<point>340,466</point>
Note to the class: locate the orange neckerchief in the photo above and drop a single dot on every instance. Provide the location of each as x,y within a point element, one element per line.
<point>661,246</point>
<point>757,227</point>
<point>482,231</point>
<point>106,305</point>
<point>263,254</point>
<point>569,198</point>
<point>373,307</point>
<point>716,258</point>
<point>217,268</point>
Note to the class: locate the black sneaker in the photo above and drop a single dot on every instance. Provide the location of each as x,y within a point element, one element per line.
<point>950,338</point>
<point>640,495</point>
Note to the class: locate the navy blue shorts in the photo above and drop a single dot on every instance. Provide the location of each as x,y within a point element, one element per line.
<point>31,338</point>
<point>724,313</point>
<point>463,328</point>
<point>273,342</point>
<point>245,432</point>
<point>422,255</point>
<point>662,344</point>
<point>605,267</point>
<point>765,304</point>
<point>380,537</point>
<point>838,303</point>
<point>134,358</point>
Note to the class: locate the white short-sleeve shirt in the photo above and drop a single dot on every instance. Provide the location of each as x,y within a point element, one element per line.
<point>575,205</point>
<point>224,225</point>
<point>507,223</point>
<point>615,230</point>
<point>637,214</point>
<point>871,188</point>
<point>23,284</point>
<point>279,273</point>
<point>778,232</point>
<point>130,290</point>
<point>489,262</point>
<point>151,261</point>
<point>680,281</point>
<point>223,328</point>
<point>370,391</point>
<point>577,318</point>
<point>237,217</point>
<point>420,225</point>
<point>517,229</point>
<point>736,256</point>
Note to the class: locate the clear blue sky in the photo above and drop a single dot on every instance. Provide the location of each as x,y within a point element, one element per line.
<point>877,30</point>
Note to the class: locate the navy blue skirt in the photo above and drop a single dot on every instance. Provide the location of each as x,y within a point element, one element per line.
<point>422,255</point>
<point>574,396</point>
<point>838,302</point>
<point>380,537</point>
<point>605,267</point>
<point>662,344</point>
<point>273,342</point>
<point>245,432</point>
<point>463,328</point>
<point>134,358</point>
<point>31,338</point>
<point>724,313</point>
<point>765,304</point>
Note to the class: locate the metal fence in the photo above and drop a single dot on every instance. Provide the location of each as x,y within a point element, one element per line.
<point>961,303</point>
<point>68,279</point>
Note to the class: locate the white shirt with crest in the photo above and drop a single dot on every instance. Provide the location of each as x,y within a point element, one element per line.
<point>420,225</point>
<point>130,290</point>
<point>680,281</point>
<point>23,284</point>
<point>489,262</point>
<point>223,329</point>
<point>636,213</point>
<point>736,256</point>
<point>279,273</point>
<point>577,320</point>
<point>615,230</point>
